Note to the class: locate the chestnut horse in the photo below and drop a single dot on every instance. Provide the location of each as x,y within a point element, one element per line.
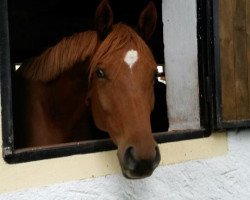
<point>111,71</point>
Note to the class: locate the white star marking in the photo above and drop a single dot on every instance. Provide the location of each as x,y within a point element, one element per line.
<point>131,57</point>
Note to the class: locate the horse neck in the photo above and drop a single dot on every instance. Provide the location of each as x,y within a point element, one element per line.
<point>66,95</point>
<point>60,105</point>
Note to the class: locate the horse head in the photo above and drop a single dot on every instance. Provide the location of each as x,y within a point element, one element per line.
<point>122,73</point>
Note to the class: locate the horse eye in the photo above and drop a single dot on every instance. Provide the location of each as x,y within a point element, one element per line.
<point>100,73</point>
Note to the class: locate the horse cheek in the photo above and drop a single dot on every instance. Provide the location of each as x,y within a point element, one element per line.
<point>99,106</point>
<point>152,100</point>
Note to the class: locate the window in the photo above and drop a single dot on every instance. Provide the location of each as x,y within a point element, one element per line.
<point>29,28</point>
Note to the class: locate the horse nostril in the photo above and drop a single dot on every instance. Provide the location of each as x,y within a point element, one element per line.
<point>129,159</point>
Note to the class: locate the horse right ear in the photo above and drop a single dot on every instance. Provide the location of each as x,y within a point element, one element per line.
<point>103,19</point>
<point>147,21</point>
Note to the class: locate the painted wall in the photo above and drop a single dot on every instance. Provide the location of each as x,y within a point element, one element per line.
<point>226,177</point>
<point>180,41</point>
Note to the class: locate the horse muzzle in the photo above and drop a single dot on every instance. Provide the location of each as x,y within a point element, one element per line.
<point>136,168</point>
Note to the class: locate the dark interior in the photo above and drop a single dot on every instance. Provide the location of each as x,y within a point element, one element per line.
<point>36,25</point>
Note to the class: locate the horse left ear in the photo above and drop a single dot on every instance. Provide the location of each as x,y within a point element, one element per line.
<point>147,21</point>
<point>103,19</point>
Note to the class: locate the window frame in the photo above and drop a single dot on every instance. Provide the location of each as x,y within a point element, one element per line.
<point>12,155</point>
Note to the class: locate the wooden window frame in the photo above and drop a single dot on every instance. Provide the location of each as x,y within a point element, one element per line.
<point>12,155</point>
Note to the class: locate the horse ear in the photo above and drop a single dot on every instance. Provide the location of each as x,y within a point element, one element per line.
<point>103,19</point>
<point>147,21</point>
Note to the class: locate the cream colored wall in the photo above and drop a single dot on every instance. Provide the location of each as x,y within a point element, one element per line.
<point>224,177</point>
<point>15,177</point>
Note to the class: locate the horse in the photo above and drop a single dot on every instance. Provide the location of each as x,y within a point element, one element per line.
<point>110,72</point>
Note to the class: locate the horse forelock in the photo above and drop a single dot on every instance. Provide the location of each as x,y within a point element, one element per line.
<point>121,39</point>
<point>61,57</point>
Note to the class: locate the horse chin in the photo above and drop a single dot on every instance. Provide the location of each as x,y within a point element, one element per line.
<point>136,175</point>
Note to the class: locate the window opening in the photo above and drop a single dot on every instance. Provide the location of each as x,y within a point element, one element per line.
<point>31,32</point>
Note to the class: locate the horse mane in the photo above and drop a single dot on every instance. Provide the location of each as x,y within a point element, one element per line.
<point>61,57</point>
<point>78,48</point>
<point>121,37</point>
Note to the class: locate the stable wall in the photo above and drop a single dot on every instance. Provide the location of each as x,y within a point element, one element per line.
<point>226,177</point>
